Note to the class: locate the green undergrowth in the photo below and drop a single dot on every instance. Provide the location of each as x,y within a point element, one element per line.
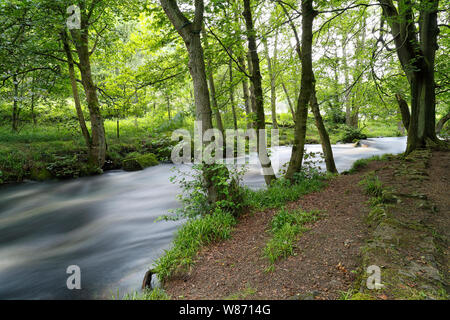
<point>213,223</point>
<point>50,152</point>
<point>286,227</point>
<point>147,294</point>
<point>283,191</point>
<point>194,234</point>
<point>360,164</point>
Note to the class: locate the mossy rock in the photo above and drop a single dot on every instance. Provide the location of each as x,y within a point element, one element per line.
<point>131,165</point>
<point>147,160</point>
<point>136,162</point>
<point>40,174</point>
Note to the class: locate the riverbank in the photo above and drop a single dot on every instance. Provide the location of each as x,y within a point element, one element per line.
<point>51,152</point>
<point>396,219</point>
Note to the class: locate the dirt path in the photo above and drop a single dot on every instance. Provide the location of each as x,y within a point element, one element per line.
<point>327,256</point>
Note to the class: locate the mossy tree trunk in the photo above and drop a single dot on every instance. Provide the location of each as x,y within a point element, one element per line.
<point>324,137</point>
<point>416,50</point>
<point>76,96</point>
<point>442,122</point>
<point>81,40</point>
<point>190,33</point>
<point>306,89</point>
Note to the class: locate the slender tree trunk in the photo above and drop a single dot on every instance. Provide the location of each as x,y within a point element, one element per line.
<point>291,106</point>
<point>33,114</point>
<point>324,137</point>
<point>212,89</point>
<point>98,138</point>
<point>348,107</point>
<point>270,66</point>
<point>190,33</point>
<point>15,111</point>
<point>118,128</point>
<point>404,110</point>
<point>233,106</point>
<point>168,108</point>
<point>258,99</point>
<point>306,90</point>
<point>360,64</point>
<point>76,96</point>
<point>246,94</point>
<point>442,122</point>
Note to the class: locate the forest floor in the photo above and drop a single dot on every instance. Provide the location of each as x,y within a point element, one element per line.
<point>404,231</point>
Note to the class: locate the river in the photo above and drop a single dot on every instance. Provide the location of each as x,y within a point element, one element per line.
<point>106,226</point>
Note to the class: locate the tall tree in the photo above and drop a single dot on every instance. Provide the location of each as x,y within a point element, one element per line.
<point>272,74</point>
<point>80,39</point>
<point>190,33</point>
<point>306,89</point>
<point>258,99</point>
<point>308,86</point>
<point>416,50</point>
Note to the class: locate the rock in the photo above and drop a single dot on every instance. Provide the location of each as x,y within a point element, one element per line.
<point>40,174</point>
<point>147,160</point>
<point>131,165</point>
<point>151,281</point>
<point>136,162</point>
<point>306,296</point>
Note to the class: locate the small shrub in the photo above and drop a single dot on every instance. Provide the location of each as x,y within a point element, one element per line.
<point>372,185</point>
<point>195,191</point>
<point>189,239</point>
<point>351,134</point>
<point>286,227</point>
<point>282,191</point>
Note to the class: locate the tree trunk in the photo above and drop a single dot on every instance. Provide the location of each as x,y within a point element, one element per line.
<point>190,33</point>
<point>98,138</point>
<point>33,114</point>
<point>258,99</point>
<point>348,108</point>
<point>270,66</point>
<point>416,52</point>
<point>246,95</point>
<point>118,129</point>
<point>324,137</point>
<point>404,110</point>
<point>76,96</point>
<point>306,90</point>
<point>15,111</point>
<point>168,108</point>
<point>233,106</point>
<point>212,89</point>
<point>291,106</point>
<point>442,122</point>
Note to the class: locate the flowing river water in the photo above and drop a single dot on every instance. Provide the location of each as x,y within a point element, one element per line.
<point>106,226</point>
